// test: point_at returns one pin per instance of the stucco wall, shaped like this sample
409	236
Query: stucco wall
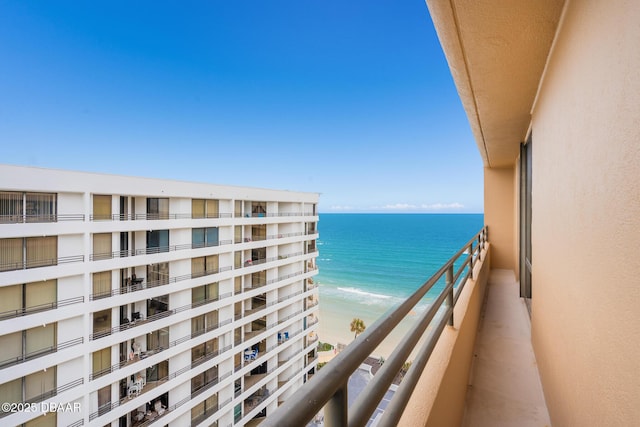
500	215
439	397
586	218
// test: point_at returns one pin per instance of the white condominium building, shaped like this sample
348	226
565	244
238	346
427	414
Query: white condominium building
131	301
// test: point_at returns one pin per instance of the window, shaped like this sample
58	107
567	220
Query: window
202	237
39	382
11	254
27	297
41	207
102	246
203	379
204	265
101	360
204	293
158	339
205	208
104	399
42	421
237	234
101	284
101	207
102	322
259	232
157	241
238	208
32	207
11	207
36	251
157	208
158	274
204	322
209	348
157	305
41	251
32	342
258	209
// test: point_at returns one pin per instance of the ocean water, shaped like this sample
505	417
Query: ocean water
369	262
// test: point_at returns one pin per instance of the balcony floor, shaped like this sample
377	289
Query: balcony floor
504	385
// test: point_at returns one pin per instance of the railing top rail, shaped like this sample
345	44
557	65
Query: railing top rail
300	408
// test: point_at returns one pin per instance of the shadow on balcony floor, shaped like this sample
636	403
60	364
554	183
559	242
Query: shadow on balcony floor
505	387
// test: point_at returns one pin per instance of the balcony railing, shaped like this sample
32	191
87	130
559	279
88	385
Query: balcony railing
39	308
156	250
41	352
34	263
154	283
330	387
20	219
49	394
161	315
153	217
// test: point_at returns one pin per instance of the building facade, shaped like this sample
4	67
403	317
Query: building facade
131	301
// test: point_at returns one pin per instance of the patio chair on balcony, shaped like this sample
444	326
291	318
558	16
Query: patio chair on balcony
159	408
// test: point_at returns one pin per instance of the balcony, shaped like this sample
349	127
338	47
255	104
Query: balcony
448	324
450	382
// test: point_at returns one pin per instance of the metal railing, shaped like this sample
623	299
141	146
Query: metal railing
40	352
155	283
39	308
330	387
20	219
24	264
48	394
154	216
161	315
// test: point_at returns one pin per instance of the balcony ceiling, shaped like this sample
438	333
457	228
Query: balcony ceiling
497	51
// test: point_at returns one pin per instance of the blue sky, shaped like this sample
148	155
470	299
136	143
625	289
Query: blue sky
353	100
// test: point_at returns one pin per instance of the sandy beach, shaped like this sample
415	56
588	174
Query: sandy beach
335	318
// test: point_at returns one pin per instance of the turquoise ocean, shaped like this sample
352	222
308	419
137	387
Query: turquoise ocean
369	262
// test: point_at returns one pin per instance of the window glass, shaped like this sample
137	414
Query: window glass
158	241
102	320
197	267
41	294
10	299
40	382
212	208
212	236
212	264
101	360
102	283
101	207
197	237
11	392
102	246
41	207
41	338
11	254
10	348
11	206
198	294
41	251
197	208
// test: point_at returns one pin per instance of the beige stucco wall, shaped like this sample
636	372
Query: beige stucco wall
586	218
500	215
439	397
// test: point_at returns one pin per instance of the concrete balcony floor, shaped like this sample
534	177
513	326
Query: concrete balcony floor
504	385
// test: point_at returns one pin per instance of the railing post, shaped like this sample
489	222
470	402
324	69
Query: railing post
471	260
335	411
449	283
